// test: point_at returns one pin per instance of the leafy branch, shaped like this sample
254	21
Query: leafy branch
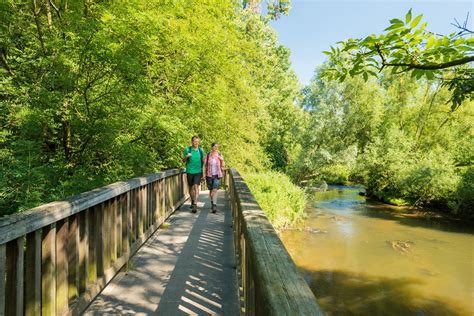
406	46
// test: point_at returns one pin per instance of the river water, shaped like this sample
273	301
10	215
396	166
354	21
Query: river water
364	258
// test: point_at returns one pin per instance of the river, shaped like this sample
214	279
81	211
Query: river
367	258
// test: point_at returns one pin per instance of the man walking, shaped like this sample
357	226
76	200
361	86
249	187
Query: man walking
194	158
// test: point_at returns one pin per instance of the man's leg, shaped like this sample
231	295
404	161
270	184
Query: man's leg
196	192
191	193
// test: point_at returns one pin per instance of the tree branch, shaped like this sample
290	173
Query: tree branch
449	64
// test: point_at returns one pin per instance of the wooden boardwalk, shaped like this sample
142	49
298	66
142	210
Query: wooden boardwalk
187	268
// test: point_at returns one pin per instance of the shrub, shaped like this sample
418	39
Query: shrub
282	201
464	195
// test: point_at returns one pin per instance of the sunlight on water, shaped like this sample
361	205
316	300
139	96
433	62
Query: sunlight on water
364	258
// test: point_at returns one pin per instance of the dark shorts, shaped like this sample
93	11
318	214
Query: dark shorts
213	183
194	178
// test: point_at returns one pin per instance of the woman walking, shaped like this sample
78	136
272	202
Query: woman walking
214	163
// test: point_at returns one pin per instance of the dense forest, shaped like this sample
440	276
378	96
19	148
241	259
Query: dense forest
93	92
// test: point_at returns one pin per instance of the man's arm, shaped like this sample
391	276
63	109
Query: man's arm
186	155
204	164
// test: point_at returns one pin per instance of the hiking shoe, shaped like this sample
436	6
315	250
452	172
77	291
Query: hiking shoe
193	208
214	208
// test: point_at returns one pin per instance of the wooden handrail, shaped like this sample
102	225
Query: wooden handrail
271	283
54	259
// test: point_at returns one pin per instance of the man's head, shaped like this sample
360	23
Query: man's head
195	141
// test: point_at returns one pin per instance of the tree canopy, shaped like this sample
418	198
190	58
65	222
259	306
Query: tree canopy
96	91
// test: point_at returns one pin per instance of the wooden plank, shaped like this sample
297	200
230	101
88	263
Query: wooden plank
105	234
142	211
83	251
126	225
15	277
73	256
33	274
99	239
3	273
118	225
92	237
157	201
20	224
147	208
151	201
62	287
112	230
134	197
48	270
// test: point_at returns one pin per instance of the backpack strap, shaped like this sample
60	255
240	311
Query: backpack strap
207	163
201	152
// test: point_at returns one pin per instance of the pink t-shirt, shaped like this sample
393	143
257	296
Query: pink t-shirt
209	164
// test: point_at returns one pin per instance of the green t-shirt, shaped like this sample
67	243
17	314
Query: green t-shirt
194	162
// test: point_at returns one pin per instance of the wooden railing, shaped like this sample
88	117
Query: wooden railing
271	283
56	258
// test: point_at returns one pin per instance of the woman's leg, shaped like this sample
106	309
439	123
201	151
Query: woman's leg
214	196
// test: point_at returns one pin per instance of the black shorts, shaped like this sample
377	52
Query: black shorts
194	178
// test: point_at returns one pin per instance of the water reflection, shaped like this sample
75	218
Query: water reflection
350	293
372	259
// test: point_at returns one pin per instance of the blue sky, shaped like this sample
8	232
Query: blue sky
313	25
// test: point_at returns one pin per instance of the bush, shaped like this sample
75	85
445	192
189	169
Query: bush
397	175
335	174
464	195
282	201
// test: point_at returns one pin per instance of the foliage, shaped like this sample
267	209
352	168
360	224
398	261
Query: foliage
282	201
98	91
406	46
464	198
397	135
275	8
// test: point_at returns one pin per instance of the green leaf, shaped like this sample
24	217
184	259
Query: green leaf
416	21
396	21
429	75
408	17
394	26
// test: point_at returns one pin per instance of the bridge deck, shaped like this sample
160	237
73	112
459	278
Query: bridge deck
185	269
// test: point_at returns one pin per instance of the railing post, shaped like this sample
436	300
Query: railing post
15	277
3	268
126	224
84	250
73	256
100	252
48	271
62	287
92	244
33	274
118	227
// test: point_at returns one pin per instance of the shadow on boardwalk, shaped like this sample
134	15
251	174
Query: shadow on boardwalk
186	269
